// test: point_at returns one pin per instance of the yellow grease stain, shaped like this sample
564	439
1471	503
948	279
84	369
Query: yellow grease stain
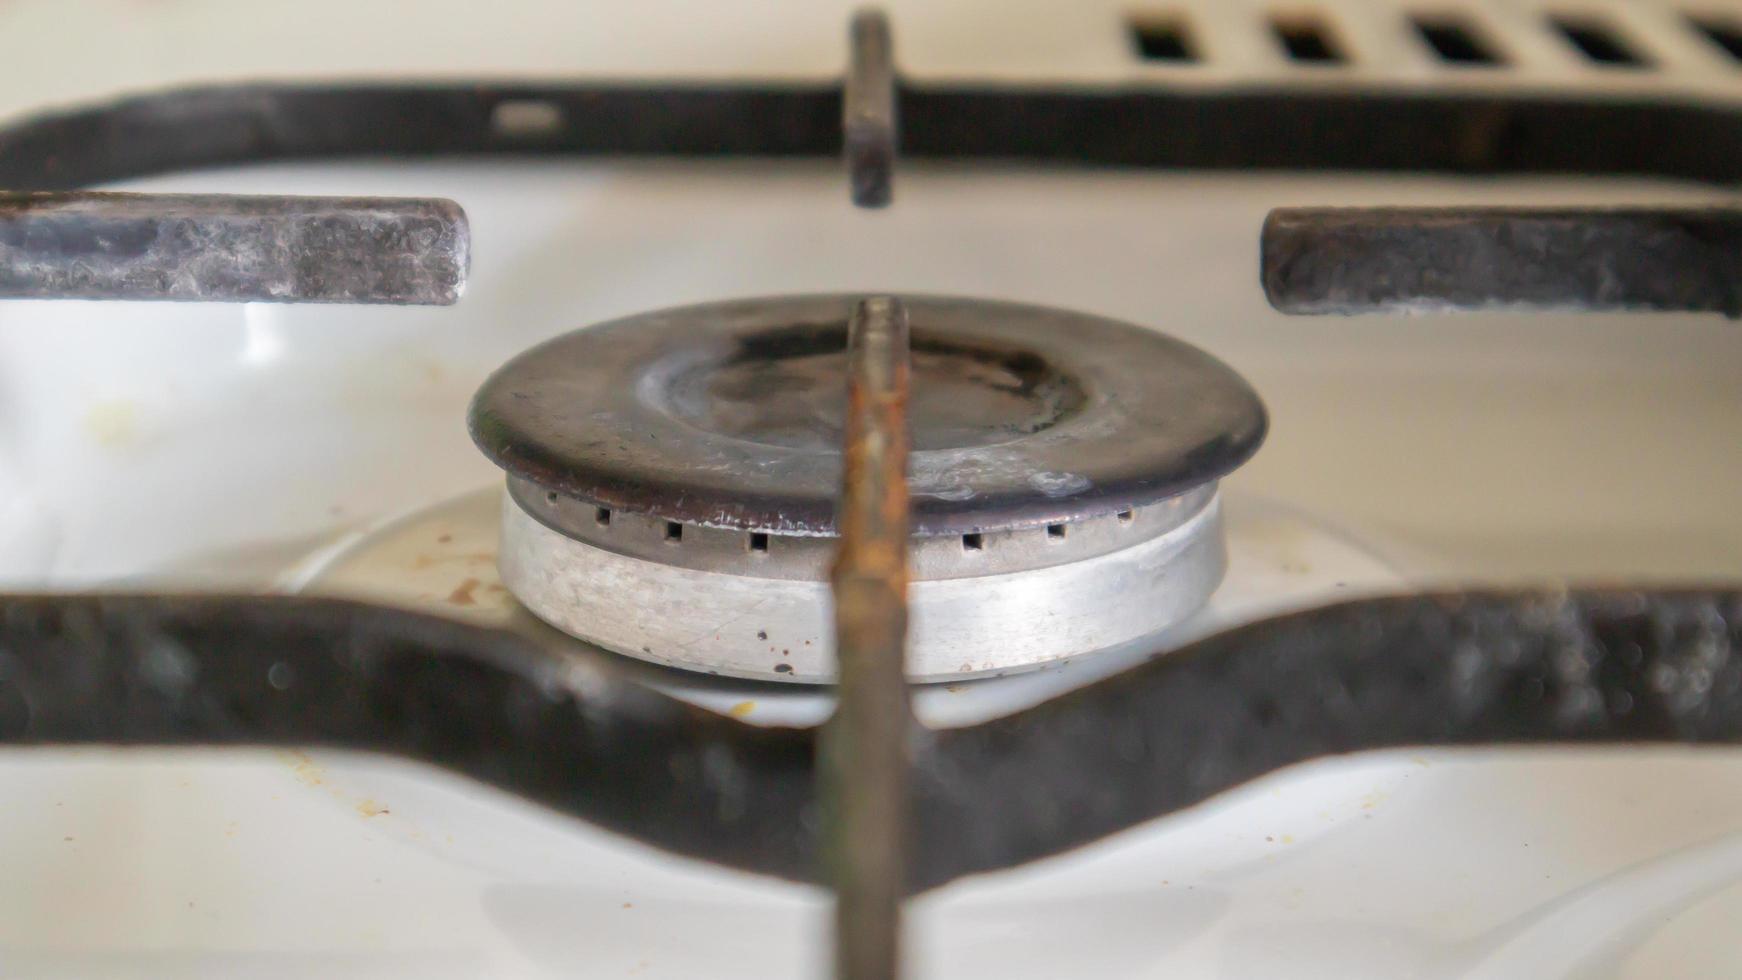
309	773
112	424
305	770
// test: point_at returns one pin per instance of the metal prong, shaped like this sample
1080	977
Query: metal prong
1324	260
866	749
230	249
868	122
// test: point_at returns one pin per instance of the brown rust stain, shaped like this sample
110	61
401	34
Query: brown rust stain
370	808
462	594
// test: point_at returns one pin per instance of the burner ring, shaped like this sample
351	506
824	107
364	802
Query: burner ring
807	557
727	415
781	629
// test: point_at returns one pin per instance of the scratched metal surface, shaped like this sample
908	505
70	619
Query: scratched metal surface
227	249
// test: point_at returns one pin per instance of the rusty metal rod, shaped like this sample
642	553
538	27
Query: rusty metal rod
230	249
865	749
1371	260
868	117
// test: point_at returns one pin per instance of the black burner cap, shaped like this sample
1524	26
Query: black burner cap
729	414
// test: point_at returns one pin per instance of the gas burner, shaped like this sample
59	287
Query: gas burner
673	479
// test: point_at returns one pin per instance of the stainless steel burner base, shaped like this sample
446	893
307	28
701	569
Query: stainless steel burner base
781	629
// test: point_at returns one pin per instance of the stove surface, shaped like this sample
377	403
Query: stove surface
274	447
1454	450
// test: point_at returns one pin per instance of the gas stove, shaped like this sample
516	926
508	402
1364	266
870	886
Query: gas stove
1241	637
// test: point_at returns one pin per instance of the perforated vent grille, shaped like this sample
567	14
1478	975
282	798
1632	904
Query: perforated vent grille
1601	39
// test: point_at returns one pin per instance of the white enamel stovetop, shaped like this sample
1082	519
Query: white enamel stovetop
241	447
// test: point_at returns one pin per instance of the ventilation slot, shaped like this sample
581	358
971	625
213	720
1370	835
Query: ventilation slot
1726	34
673	532
1454	41
602	516
1055	532
973	542
758	542
1163	39
1125	516
1598	42
1306	39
